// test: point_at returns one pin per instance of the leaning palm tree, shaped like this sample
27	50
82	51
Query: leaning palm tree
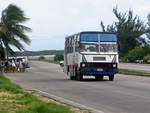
12	30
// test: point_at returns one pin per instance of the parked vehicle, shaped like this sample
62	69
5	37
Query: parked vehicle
24	60
91	54
16	60
61	63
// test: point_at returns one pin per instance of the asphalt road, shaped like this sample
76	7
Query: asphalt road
137	67
127	94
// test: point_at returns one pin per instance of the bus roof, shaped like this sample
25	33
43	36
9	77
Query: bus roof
90	32
97	32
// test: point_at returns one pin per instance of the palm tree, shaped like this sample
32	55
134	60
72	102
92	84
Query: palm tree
12	30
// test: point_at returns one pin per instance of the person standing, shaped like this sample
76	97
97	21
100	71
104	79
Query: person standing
23	64
20	66
13	66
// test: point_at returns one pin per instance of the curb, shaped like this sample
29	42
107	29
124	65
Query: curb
66	101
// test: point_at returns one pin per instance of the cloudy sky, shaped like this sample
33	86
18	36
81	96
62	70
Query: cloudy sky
52	20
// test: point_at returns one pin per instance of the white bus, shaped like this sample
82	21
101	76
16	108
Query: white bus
91	54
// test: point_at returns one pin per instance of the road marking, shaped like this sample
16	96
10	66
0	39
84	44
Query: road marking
63	100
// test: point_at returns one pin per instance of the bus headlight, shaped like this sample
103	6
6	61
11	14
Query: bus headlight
83	65
114	65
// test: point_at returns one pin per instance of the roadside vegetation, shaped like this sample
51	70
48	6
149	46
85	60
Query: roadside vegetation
138	54
14	100
133	72
55	60
47	60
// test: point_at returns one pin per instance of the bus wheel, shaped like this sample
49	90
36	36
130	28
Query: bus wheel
76	75
79	77
99	77
111	77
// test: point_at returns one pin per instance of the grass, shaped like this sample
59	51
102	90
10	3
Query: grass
133	72
14	100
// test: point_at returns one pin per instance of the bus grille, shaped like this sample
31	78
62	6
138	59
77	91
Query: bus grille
99	58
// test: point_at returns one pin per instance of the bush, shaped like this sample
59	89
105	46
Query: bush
41	58
146	59
59	57
137	54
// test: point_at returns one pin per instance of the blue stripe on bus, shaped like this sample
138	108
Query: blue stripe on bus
98	73
91	37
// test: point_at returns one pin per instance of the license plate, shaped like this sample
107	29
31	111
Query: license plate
99	69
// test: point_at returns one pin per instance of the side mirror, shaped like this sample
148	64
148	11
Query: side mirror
61	63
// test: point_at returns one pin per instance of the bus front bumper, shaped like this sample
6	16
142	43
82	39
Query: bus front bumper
98	68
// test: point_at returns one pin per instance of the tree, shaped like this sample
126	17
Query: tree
12	30
129	29
148	29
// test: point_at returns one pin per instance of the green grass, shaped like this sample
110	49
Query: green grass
14	100
133	72
3	111
6	85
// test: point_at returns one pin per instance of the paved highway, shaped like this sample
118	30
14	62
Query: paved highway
137	67
127	94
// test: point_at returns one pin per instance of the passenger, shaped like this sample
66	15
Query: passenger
17	66
20	66
6	65
9	66
23	63
13	66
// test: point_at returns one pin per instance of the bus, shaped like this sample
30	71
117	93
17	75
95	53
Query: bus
91	54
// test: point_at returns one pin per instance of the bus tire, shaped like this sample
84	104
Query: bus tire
76	74
99	77
111	77
72	78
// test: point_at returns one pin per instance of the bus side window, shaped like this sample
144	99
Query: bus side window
67	49
76	47
71	46
70	49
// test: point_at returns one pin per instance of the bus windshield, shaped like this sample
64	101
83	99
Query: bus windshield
108	47
86	47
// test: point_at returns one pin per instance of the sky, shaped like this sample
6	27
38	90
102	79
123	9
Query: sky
52	20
